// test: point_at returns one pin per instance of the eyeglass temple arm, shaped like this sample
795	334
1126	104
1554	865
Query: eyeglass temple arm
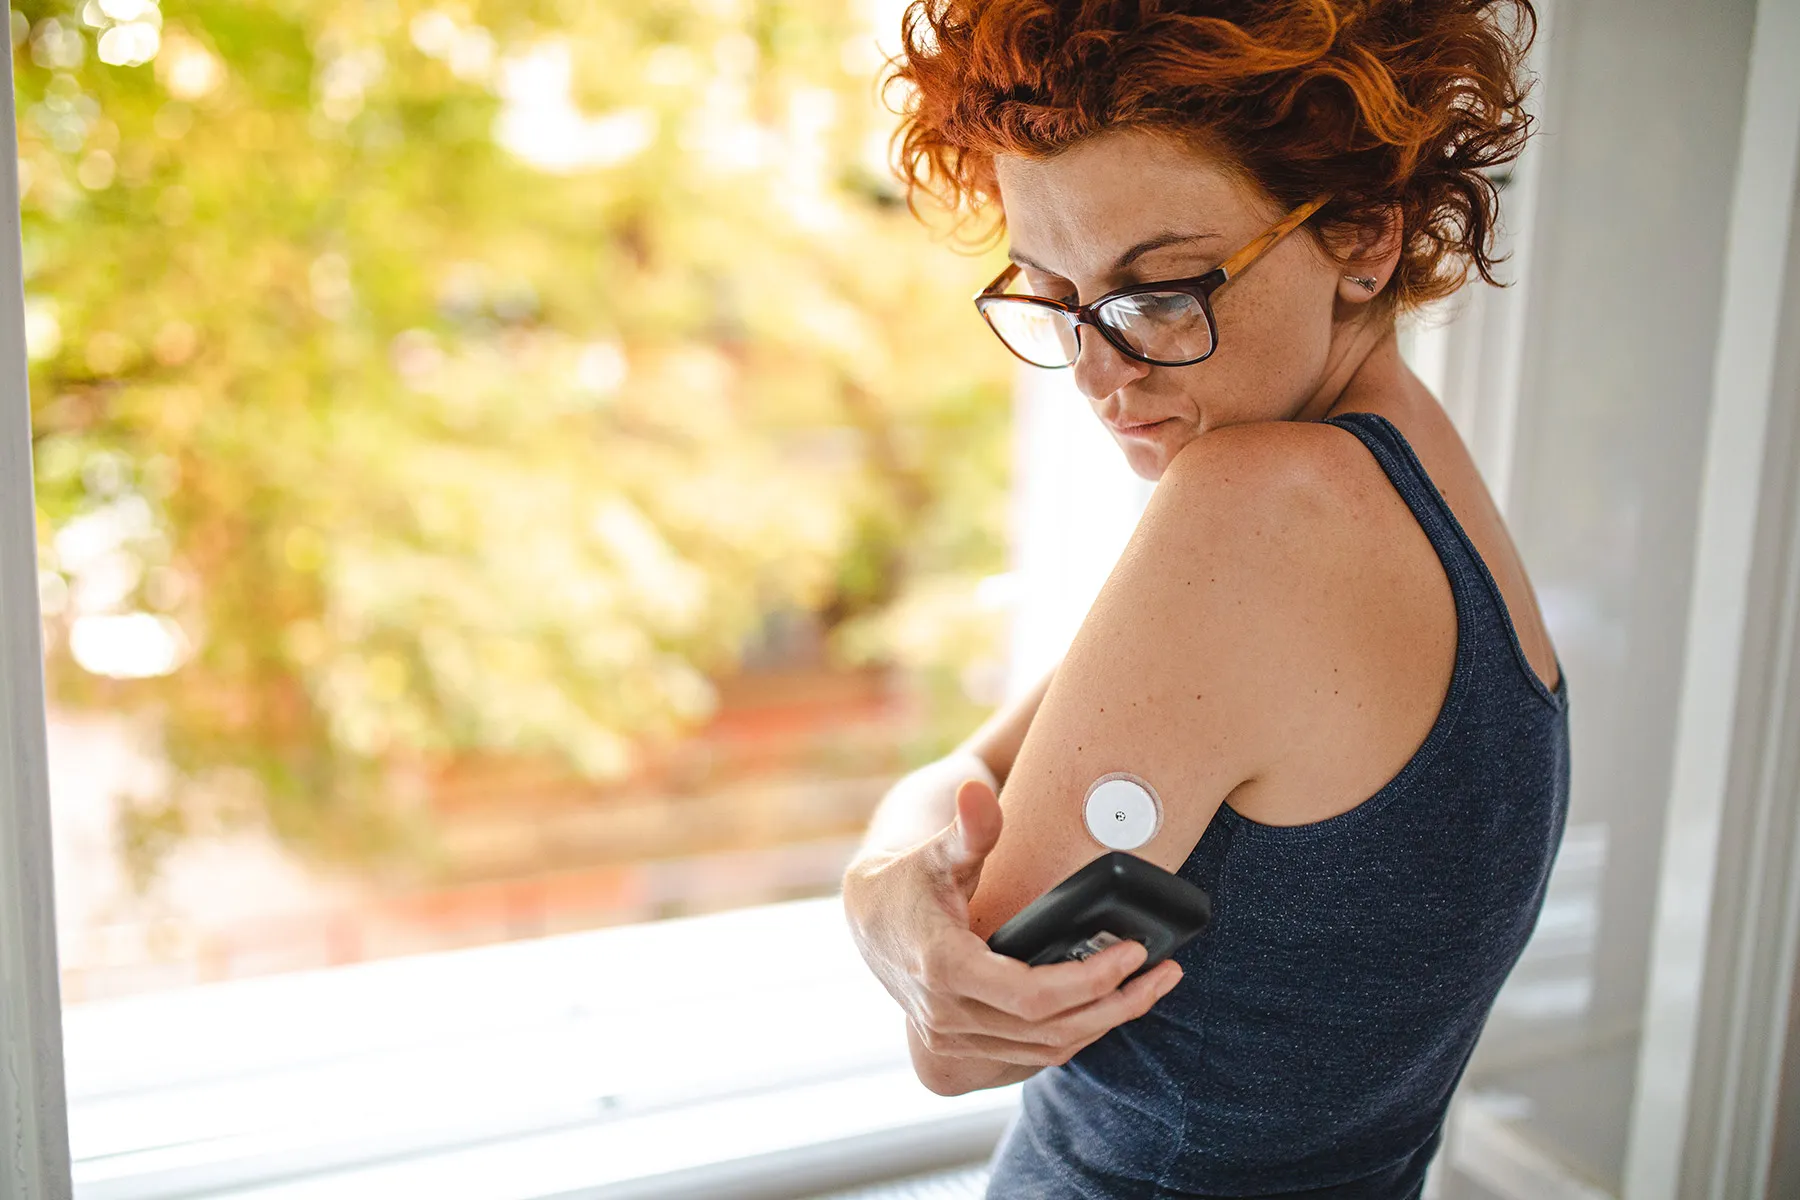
999	281
1234	265
1231	267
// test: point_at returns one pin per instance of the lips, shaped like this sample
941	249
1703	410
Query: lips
1140	427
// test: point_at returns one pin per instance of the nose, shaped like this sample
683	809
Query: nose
1100	369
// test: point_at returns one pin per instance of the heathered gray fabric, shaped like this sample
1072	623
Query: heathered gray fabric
1310	1050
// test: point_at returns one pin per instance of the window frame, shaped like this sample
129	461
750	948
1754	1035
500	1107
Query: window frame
33	1106
1744	934
568	1064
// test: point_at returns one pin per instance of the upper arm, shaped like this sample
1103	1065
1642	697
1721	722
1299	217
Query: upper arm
1184	667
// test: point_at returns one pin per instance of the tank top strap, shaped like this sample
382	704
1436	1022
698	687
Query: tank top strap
1461	562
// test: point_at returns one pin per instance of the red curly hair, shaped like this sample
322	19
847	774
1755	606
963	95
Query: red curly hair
1383	104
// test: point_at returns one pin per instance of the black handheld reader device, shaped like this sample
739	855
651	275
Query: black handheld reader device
1117	897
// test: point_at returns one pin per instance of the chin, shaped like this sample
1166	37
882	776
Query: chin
1146	461
1149	459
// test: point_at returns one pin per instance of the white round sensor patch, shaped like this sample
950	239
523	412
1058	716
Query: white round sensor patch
1122	811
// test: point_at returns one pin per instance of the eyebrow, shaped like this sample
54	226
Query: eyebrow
1130	256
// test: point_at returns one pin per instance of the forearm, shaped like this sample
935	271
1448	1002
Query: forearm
949	1075
907	816
997	740
919	805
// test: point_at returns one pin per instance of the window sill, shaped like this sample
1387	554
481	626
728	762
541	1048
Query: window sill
746	1053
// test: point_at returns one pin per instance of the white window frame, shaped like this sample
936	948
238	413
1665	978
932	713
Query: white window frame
1703	1126
1726	942
747	1053
34	1141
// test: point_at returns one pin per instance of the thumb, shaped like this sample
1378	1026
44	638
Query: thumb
976	828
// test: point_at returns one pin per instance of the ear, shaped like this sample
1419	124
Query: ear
1371	253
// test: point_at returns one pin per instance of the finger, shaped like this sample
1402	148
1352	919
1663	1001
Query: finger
969	969
1056	988
992	993
980	1045
1130	1002
1082	1025
978	816
972	835
1057	1042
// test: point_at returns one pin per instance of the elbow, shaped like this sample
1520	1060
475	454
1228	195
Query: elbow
932	1072
942	1074
948	1075
960	1084
939	1085
959	1080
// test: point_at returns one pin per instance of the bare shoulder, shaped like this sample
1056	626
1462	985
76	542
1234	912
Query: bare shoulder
1285	498
1276	463
1351	614
1312	529
1341	615
1243	649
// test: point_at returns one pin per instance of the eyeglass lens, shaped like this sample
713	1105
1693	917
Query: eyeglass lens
1036	334
1168	327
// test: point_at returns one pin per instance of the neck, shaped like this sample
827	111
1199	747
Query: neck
1365	363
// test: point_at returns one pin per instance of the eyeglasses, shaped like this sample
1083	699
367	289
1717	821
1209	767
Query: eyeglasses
1167	323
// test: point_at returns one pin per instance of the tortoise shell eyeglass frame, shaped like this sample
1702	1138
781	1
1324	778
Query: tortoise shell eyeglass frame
1201	287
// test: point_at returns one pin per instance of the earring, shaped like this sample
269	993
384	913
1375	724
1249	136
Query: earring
1366	282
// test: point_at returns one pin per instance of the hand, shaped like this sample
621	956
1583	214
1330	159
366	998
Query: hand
909	915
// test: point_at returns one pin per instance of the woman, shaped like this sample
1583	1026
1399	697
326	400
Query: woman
1319	647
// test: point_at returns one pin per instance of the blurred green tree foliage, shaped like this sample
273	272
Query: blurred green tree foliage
414	380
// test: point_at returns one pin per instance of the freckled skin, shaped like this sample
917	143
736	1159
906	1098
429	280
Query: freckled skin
1310	559
1283	513
1290	336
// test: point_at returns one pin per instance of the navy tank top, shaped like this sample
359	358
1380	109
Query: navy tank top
1320	1026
